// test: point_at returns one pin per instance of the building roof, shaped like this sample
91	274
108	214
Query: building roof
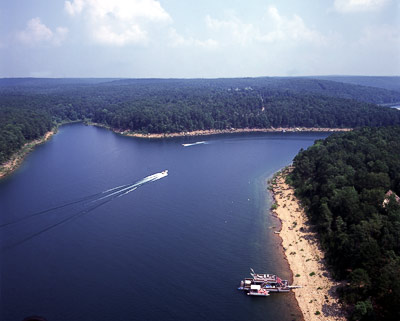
388	194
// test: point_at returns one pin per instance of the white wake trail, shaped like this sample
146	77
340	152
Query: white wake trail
113	189
115	193
125	190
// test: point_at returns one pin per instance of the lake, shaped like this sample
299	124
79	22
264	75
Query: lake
86	243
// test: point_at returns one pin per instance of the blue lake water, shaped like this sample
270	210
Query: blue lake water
172	249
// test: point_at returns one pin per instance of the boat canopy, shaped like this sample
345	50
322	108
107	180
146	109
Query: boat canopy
255	287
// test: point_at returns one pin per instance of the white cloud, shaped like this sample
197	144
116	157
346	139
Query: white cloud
290	29
233	29
348	6
74	7
177	40
38	33
120	22
275	28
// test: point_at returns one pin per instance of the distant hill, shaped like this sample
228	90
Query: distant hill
50	82
328	87
299	85
47	84
389	83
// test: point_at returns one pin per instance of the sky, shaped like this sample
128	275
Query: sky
198	39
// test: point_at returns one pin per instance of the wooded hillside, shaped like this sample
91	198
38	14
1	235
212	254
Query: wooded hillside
28	107
344	181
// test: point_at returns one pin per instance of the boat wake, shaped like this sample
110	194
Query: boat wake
125	189
193	144
87	204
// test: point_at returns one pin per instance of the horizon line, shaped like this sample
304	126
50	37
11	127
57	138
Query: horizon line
200	78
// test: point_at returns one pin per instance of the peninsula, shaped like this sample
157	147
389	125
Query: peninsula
159	108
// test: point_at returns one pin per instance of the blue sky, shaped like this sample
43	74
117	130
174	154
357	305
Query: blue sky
175	38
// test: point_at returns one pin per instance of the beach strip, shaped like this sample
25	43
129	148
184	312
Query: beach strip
317	298
221	131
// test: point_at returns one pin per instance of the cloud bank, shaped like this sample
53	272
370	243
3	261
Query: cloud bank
37	33
119	22
349	6
275	28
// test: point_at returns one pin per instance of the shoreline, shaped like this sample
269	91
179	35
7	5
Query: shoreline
220	131
317	299
18	157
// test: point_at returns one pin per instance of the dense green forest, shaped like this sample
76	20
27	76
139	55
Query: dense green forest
29	107
342	181
378	90
19	126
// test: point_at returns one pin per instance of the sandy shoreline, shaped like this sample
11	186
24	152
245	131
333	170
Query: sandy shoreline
317	298
18	157
223	131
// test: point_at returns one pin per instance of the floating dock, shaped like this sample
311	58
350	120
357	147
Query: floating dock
261	284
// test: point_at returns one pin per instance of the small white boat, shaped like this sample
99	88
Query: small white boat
193	144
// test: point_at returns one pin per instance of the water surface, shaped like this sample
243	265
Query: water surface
173	249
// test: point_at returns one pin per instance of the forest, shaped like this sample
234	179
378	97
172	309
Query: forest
343	182
30	106
19	126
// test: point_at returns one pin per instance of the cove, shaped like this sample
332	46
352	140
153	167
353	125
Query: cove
172	249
